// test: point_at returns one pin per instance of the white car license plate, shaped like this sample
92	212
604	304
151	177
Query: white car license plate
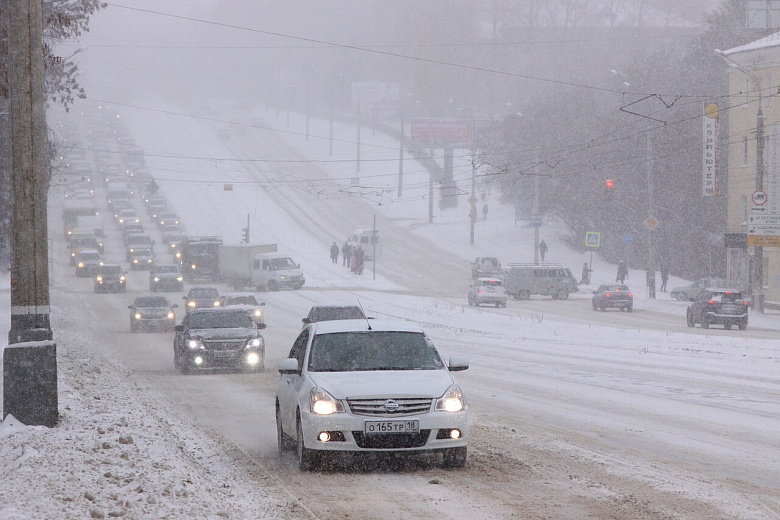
411	426
224	353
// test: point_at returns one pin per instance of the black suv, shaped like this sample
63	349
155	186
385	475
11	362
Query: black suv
718	306
110	278
213	338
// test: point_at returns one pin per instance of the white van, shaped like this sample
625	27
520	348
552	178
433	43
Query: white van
273	271
362	238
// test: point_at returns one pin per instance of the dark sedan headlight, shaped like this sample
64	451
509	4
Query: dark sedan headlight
255	343
195	344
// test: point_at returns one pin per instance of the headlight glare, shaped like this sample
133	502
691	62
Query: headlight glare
452	400
322	403
193	344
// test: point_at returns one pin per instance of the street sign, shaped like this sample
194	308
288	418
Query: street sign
759	197
759	209
536	219
592	239
763	241
651	222
764	219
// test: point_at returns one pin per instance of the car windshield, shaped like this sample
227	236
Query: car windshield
111	269
151	301
203	293
615	288
166	269
282	263
363	351
221	320
241	300
727	297
90	256
491	283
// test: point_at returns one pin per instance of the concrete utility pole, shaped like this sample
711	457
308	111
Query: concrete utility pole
30	361
29	245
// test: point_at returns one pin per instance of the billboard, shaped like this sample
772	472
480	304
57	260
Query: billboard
447	131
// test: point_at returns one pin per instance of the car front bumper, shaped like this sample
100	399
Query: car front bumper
206	358
347	433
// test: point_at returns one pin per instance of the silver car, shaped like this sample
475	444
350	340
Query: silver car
488	291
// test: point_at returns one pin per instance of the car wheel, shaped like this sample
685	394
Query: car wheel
603	308
283	441
705	322
306	457
563	294
455	457
743	325
681	297
689	318
133	328
727	326
272	286
595	307
176	362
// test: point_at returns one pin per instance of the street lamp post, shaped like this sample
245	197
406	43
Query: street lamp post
758	251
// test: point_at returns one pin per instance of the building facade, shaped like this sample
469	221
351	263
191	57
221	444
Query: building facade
753	172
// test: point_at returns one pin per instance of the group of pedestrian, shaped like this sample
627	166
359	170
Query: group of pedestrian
352	256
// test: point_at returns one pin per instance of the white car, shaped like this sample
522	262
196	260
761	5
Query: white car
369	386
489	291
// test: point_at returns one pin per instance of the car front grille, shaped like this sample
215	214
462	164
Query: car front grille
391	440
379	408
224	345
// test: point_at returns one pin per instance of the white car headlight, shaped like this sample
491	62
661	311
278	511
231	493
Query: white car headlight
322	403
138	316
193	344
171	315
452	400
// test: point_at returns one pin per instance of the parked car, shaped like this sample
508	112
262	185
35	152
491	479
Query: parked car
249	303
360	387
333	312
488	291
691	291
164	277
213	338
483	266
199	297
718	306
609	296
110	278
87	262
152	313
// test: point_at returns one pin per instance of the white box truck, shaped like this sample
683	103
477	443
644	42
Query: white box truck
235	263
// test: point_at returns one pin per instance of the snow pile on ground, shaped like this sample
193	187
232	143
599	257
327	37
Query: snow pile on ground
118	453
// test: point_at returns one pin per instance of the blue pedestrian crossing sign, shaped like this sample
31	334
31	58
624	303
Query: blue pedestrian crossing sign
592	239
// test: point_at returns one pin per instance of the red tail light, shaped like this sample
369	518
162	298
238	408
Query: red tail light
711	302
607	295
630	295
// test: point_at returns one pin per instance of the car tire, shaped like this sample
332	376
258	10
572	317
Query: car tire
681	297
283	441
705	322
603	308
176	362
455	457
743	325
306	457
727	326
595	307
272	286
563	294
689	318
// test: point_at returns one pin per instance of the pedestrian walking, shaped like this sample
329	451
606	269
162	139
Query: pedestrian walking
484	211
585	274
542	249
334	253
664	276
622	272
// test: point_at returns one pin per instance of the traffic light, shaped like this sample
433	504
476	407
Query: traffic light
609	184
246	234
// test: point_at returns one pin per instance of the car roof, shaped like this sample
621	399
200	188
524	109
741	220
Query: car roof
217	310
722	290
89	251
238	294
381	325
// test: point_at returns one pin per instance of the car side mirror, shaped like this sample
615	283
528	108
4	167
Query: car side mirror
458	364
305	321
178	328
261	325
262	304
175	305
289	366
131	307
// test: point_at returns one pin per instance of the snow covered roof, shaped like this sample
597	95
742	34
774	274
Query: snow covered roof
767	41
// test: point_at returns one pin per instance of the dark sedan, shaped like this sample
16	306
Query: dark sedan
152	313
611	296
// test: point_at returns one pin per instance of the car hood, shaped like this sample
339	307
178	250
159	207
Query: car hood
153	311
225	333
382	383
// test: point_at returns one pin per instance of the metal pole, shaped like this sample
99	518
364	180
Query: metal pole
373	235
758	255
650	213
535	212
401	158
473	212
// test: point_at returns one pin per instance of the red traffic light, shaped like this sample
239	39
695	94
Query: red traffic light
609	184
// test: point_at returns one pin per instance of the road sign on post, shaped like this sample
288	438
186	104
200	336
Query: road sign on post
592	239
